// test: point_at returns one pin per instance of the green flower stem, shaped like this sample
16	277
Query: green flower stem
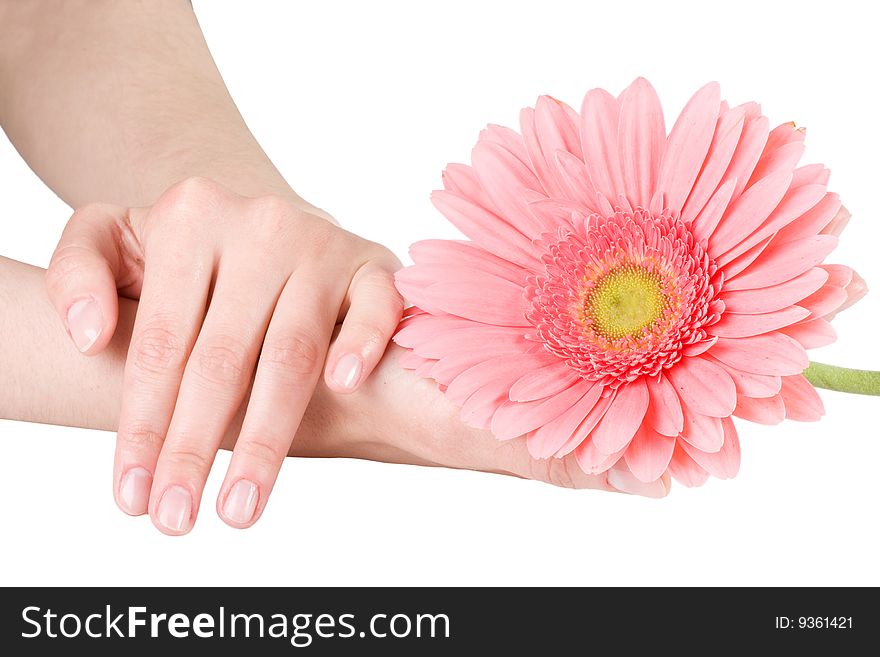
843	379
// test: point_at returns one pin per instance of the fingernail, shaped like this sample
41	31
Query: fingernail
626	482
85	322
241	502
347	371
175	509
134	491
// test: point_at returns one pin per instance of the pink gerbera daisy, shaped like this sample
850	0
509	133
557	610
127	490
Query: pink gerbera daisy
625	292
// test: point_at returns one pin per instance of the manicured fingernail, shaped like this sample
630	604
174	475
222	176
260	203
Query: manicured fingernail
241	502
347	371
134	491
175	509
85	322
625	482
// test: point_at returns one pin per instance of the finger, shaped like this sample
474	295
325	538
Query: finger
173	300
289	368
375	308
82	275
214	383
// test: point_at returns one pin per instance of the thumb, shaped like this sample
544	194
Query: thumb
82	275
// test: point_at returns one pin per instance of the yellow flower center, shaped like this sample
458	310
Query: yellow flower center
625	301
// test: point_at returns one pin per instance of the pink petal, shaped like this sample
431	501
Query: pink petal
459	255
699	348
839	275
648	454
447	368
824	301
782	262
703	386
773	354
812	334
423	327
599	120
795	203
752	385
733	325
479	408
855	290
499	302
536	157
702	431
508	139
711	214
579	186
486	229
514	419
802	402
688	145
724	463
727	133
622	418
685	469
782	159
743	262
505	179
811	222
642	137
785	133
810	174
554	213
767	410
543	382
748	212
476	338
555	129
838	223
410	360
499	372
748	151
551	437
775	297
593	461
461	180
664	408
581	434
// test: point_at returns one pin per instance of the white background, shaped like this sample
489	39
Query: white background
361	105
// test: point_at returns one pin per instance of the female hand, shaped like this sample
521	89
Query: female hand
233	291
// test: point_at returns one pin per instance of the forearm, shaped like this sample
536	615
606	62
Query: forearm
43	378
394	417
112	100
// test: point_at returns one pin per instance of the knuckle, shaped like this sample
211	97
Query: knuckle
67	263
295	354
223	361
270	223
193	188
158	350
323	238
369	336
552	471
272	207
141	438
187	200
187	460
261	451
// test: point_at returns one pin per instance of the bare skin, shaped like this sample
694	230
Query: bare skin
118	106
394	417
